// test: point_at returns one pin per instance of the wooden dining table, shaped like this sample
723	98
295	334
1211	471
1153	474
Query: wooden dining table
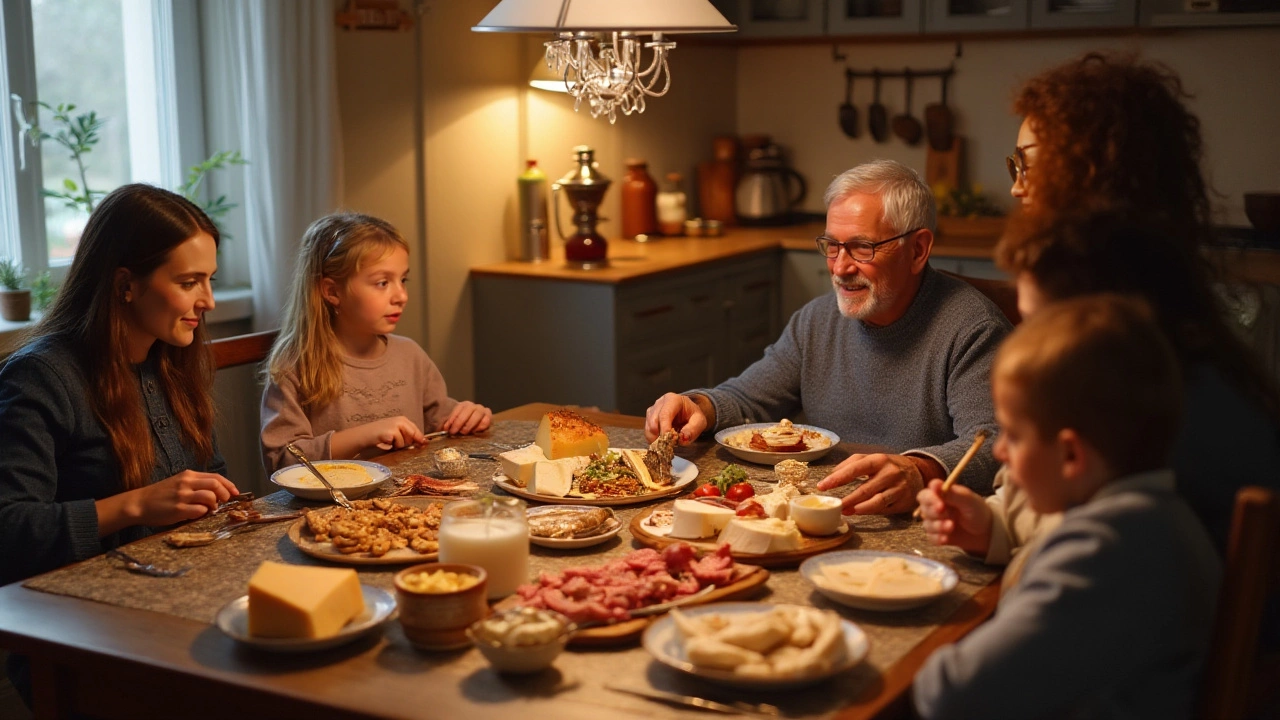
101	653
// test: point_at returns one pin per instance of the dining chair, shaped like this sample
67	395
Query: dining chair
1233	678
242	349
1001	292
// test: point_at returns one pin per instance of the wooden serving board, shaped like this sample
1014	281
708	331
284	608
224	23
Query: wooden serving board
809	545
302	537
746	579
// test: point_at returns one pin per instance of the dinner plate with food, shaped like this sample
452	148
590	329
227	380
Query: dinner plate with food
379	606
571	462
878	580
355	478
780	527
770	443
568	527
382	531
756	645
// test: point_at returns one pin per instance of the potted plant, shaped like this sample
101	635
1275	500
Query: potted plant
15	301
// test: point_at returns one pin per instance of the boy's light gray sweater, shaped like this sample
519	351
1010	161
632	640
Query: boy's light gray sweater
920	384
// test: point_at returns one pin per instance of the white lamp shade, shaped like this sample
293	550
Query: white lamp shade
637	16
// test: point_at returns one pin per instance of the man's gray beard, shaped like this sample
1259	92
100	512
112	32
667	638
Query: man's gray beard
869	306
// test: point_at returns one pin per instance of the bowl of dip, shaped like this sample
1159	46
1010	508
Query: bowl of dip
521	640
876	580
355	478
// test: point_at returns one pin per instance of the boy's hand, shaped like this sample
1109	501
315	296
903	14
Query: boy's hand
392	432
467	417
958	517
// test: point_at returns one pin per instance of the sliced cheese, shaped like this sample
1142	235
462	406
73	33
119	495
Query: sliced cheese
518	464
758	536
777	504
296	601
564	434
555	477
635	460
692	519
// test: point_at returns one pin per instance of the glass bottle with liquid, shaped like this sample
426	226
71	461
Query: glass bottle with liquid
672	205
639	195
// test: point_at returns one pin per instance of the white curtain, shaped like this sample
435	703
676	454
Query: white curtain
271	91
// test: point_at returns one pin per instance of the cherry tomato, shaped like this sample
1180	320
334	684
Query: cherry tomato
707	490
740	492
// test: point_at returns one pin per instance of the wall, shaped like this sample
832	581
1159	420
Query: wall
792	92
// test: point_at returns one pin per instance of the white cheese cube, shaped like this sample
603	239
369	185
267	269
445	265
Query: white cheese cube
518	464
758	536
692	519
555	477
777	504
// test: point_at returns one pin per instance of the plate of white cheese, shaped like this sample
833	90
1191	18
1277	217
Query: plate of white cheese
528	473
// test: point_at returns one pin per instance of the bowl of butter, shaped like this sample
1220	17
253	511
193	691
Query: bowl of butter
521	640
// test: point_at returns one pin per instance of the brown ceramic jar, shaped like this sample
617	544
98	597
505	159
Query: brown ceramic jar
639	201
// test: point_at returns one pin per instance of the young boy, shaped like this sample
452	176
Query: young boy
1112	613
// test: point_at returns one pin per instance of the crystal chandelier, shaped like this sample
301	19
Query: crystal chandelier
600	52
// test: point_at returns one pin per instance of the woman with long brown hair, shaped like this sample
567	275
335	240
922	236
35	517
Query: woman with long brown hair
106	414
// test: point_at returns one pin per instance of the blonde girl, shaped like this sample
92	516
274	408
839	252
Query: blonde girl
339	384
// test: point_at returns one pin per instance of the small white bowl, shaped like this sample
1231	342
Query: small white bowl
510	658
817	514
299	481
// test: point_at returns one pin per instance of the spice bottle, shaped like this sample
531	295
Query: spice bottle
534	241
672	206
639	196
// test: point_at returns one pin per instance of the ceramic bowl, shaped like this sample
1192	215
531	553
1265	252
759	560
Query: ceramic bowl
439	621
300	482
520	657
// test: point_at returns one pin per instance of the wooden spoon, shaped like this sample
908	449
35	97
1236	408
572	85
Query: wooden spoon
848	113
905	125
877	115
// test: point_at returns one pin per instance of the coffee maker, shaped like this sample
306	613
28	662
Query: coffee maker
585	187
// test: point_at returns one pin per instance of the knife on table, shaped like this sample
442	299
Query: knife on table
692	701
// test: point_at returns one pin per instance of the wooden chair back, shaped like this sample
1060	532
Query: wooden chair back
242	349
1251	576
1001	292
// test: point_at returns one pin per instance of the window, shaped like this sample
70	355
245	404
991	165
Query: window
136	64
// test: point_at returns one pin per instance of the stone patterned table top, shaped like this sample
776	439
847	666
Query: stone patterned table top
221	571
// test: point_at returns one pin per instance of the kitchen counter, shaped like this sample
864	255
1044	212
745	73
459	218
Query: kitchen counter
629	260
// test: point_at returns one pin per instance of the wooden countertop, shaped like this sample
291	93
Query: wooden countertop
629	260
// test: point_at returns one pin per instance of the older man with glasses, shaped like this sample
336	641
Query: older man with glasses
898	355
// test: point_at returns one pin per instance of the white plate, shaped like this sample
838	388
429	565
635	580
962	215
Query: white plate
683	472
932	568
664	643
611	528
292	478
773	458
379	606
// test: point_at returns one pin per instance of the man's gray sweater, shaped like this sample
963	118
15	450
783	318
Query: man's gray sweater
920	384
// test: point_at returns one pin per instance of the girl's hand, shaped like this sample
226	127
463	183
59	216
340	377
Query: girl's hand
467	417
392	432
185	496
958	517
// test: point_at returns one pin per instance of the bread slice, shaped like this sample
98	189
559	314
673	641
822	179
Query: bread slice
564	433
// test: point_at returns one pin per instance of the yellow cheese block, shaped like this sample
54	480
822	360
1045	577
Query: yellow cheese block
564	433
295	601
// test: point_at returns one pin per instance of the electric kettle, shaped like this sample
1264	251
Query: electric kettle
768	190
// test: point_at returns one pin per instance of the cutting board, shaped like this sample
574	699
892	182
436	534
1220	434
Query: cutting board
809	545
945	167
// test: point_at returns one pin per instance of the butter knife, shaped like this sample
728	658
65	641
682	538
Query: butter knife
764	711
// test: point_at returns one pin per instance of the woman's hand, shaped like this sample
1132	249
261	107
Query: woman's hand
185	496
467	417
958	517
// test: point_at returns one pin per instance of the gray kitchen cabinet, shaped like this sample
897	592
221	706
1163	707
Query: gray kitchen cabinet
1057	14
1214	13
874	17
775	18
952	16
804	277
618	346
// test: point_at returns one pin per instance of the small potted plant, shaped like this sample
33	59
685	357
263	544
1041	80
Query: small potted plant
15	302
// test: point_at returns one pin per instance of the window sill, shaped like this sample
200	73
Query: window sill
229	304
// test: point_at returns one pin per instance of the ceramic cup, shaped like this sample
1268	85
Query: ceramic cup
439	621
816	514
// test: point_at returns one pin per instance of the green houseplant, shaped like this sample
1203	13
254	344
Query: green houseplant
15	300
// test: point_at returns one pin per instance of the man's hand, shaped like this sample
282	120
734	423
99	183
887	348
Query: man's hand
891	486
679	412
957	516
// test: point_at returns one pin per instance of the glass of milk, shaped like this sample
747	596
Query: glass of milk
491	532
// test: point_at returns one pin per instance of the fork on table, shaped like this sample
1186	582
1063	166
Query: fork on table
134	565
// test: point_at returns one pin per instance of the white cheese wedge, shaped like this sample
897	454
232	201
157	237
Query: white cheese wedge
692	519
555	477
777	504
518	464
563	433
758	536
300	601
